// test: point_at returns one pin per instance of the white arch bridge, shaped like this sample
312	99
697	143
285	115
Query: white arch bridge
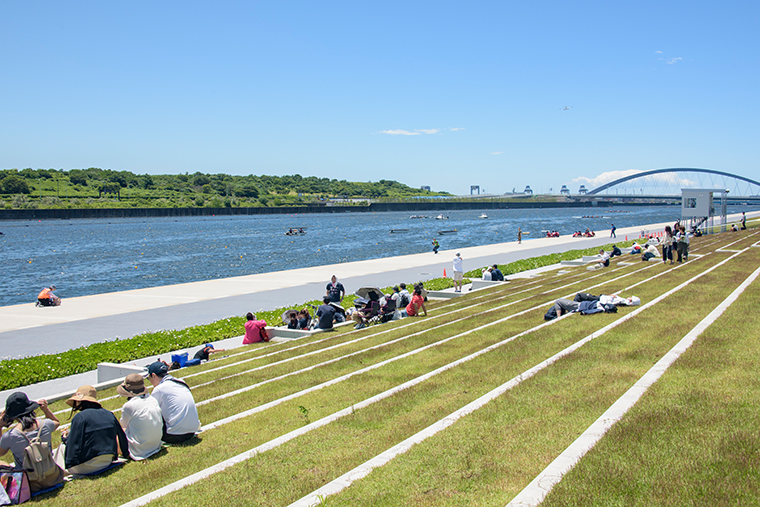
667	183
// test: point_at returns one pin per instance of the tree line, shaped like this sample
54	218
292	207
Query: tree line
196	188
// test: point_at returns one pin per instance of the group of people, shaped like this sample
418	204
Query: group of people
552	234
675	238
493	273
589	304
96	438
385	307
587	234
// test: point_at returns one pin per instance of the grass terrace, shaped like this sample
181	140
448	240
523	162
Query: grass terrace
471	404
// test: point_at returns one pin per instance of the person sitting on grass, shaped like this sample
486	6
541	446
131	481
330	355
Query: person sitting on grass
140	418
371	308
615	251
326	314
253	329
487	274
178	411
496	274
403	296
417	303
95	437
19	416
293	324
604	261
304	319
650	252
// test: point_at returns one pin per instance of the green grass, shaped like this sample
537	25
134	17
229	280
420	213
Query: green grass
487	457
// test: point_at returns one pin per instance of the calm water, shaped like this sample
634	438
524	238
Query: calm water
84	257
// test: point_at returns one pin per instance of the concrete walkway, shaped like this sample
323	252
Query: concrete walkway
26	330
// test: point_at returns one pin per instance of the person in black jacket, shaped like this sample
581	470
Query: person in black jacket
95	437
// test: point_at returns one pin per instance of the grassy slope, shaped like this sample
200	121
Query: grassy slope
490	455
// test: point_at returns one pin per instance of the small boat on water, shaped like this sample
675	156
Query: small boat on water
441	217
296	231
418	216
483	215
452	231
398	231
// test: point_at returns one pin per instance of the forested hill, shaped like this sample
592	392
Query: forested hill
94	187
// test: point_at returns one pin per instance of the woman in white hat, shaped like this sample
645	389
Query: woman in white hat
140	418
95	437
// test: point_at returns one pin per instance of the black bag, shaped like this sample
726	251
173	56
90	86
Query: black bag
551	314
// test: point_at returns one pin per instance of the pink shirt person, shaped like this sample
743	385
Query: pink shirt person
253	329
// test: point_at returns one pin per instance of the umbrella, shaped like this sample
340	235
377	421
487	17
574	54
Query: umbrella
364	292
286	315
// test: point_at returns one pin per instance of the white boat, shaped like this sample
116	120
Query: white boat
441	217
483	215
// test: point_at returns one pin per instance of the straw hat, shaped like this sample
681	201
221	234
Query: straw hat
84	393
133	385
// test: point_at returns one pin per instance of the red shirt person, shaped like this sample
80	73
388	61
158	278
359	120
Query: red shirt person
253	329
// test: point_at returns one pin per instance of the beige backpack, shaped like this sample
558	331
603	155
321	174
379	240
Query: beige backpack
39	464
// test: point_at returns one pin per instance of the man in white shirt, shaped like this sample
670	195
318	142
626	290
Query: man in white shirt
140	418
177	405
604	261
458	272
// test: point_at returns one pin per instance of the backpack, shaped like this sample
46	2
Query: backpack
264	334
403	301
39	464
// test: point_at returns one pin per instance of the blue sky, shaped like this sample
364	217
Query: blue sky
334	89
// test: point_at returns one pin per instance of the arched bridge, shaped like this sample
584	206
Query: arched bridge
670	181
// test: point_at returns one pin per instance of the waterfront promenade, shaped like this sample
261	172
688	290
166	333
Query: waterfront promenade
26	330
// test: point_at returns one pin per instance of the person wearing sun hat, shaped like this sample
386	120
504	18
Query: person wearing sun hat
140	418
178	409
19	416
94	438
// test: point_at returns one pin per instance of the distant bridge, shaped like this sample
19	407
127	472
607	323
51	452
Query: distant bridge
673	179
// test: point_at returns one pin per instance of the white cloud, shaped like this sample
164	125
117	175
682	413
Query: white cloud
658	52
496	152
428	131
456	129
400	132
674	60
610	176
603	178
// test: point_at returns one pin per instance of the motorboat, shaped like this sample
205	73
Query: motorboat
483	215
441	217
295	231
